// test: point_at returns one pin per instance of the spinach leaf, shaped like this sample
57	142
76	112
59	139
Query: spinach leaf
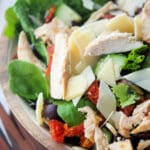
27	80
69	113
12	24
21	9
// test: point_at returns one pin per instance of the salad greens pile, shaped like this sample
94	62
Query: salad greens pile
29	14
111	69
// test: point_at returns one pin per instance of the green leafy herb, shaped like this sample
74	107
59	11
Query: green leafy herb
27	80
136	58
125	96
69	113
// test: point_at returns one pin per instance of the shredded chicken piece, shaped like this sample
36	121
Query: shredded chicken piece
60	67
144	107
47	32
144	125
25	52
143	144
90	123
146	21
100	140
126	124
112	43
102	11
121	145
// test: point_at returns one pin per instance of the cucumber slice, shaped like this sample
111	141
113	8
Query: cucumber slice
67	14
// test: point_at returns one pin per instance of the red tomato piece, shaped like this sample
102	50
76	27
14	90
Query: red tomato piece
57	130
93	92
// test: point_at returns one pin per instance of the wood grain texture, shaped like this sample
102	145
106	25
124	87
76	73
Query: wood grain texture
22	112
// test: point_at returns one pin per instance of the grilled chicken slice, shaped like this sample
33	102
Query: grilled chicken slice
143	144
112	43
25	52
102	11
131	7
126	124
144	125
60	67
142	108
121	145
47	32
146	21
90	123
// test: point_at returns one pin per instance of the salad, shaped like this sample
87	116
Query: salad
84	66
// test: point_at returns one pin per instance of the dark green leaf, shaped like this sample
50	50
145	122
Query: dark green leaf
40	48
69	113
21	8
27	80
85	102
146	62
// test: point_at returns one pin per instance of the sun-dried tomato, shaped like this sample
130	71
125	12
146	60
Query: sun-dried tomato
74	131
50	15
50	50
57	130
93	92
128	109
85	142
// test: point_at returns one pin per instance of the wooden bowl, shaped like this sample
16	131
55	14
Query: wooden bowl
23	113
